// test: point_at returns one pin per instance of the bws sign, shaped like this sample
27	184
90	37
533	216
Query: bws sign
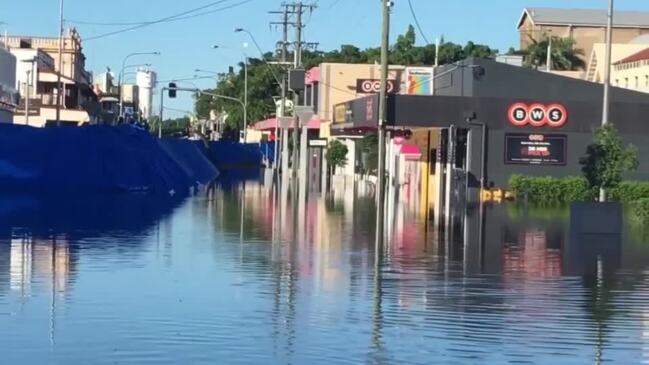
537	115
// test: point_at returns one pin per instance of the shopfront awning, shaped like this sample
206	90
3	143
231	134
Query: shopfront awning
272	123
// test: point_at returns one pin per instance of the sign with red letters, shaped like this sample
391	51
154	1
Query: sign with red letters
537	115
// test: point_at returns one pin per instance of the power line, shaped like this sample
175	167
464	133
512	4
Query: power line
112	24
414	16
184	15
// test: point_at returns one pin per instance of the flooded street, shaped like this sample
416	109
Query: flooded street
135	280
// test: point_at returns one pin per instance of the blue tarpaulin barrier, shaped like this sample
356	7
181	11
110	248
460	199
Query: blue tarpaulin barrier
227	154
96	159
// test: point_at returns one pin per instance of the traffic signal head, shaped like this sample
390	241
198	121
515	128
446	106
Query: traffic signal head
172	90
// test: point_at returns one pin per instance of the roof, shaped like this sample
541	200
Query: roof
584	17
638	56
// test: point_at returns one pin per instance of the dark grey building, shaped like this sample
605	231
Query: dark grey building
536	123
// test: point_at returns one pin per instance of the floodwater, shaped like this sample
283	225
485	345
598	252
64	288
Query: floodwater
133	280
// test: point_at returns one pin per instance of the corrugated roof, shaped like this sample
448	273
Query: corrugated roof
639	56
585	17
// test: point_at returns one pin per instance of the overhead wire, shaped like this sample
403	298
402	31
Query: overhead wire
414	17
181	16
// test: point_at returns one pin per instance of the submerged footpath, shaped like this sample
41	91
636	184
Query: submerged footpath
99	159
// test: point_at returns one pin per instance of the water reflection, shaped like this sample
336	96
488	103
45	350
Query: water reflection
250	274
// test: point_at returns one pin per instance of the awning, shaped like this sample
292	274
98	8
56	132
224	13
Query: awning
410	152
271	124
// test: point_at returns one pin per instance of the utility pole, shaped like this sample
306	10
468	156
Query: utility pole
282	108
607	77
297	55
59	92
548	62
380	188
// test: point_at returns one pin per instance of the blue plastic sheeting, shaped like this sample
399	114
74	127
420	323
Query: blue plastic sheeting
226	154
191	158
95	159
267	150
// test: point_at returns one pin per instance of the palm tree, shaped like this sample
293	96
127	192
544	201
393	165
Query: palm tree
565	57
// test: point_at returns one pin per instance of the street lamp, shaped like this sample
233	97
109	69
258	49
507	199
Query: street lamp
121	73
245	88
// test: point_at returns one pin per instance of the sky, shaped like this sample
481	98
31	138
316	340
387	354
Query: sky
186	45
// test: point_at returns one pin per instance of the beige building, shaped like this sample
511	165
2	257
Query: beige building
585	26
632	72
37	78
596	61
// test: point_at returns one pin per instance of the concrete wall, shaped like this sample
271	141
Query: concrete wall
632	76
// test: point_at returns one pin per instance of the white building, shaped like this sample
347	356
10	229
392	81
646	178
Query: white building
146	82
8	93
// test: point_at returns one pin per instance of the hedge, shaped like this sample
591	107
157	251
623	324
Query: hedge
631	191
640	210
552	191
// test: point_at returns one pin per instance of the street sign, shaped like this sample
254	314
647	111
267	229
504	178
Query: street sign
304	113
318	143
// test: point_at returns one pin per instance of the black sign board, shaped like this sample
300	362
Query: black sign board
535	149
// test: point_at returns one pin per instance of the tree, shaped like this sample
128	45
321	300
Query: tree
336	154
607	159
565	57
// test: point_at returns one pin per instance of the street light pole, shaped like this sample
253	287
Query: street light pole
607	78
383	96
121	73
245	90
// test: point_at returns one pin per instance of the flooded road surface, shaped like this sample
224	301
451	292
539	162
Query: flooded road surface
134	280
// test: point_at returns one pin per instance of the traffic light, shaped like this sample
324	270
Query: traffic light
172	90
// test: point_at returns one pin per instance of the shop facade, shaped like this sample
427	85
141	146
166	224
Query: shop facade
534	123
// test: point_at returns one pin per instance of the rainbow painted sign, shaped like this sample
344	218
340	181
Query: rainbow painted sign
419	81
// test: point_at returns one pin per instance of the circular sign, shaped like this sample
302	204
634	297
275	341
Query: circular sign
537	114
557	115
518	114
368	86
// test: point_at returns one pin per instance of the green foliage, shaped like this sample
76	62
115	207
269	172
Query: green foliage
565	57
550	190
630	191
640	210
263	86
336	154
261	89
607	159
170	127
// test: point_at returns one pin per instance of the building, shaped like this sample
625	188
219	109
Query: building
585	26
632	72
8	92
595	66
534	123
146	81
108	96
79	102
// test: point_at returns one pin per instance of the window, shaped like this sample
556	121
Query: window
637	84
617	82
626	82
646	81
